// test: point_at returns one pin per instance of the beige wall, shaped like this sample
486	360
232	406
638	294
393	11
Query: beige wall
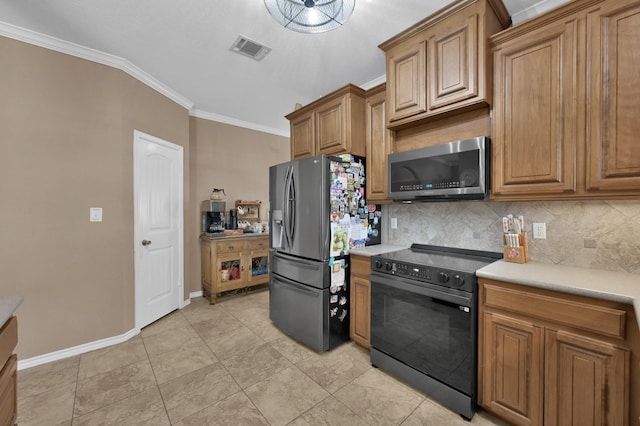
66	144
233	158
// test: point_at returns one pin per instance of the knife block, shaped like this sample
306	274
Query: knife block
517	254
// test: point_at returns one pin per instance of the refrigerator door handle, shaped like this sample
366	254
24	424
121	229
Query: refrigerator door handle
289	219
285	219
294	202
295	287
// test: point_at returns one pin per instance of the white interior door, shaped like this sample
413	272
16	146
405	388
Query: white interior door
158	228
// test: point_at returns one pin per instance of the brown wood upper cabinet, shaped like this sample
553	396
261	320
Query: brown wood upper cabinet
565	100
379	140
440	65
613	98
334	124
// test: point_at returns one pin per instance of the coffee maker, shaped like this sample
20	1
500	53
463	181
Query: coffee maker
213	216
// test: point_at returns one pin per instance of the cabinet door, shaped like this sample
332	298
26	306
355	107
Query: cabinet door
360	311
379	140
331	127
453	62
258	267
534	123
302	136
512	370
586	381
406	80
234	277
8	391
613	160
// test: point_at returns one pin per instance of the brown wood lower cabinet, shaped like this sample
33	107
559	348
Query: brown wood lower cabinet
360	325
549	358
8	375
230	263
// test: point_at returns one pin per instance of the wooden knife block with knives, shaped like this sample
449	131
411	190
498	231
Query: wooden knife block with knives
515	239
517	254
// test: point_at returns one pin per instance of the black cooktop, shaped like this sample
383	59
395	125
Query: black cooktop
462	260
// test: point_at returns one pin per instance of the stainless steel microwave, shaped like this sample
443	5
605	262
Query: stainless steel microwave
452	171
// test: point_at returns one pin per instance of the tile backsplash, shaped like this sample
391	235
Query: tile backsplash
591	234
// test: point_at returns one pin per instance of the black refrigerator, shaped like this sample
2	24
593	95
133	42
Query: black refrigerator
317	212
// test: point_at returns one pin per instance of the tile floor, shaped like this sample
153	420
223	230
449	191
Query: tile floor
222	365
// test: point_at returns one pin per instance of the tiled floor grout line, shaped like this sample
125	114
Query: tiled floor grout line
155	376
248	313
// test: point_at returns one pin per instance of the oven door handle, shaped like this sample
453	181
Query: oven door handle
424	289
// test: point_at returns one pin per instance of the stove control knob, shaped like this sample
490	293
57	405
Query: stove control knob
388	266
378	264
458	280
442	277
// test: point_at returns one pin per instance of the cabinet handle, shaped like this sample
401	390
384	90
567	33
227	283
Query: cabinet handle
146	242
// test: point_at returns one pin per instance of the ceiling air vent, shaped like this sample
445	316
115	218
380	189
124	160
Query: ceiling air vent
250	48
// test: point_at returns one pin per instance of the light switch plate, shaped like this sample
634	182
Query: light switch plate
95	214
394	223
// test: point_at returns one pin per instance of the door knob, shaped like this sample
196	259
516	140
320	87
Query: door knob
146	242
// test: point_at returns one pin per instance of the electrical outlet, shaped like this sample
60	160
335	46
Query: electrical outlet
394	223
539	231
95	214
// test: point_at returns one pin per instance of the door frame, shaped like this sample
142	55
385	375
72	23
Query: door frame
138	137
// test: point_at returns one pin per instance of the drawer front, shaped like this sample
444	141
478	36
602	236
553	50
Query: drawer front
8	338
255	243
593	318
361	266
229	246
8	396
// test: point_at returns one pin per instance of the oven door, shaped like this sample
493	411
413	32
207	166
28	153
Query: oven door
427	327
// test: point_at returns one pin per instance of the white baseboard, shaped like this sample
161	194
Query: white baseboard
76	350
87	347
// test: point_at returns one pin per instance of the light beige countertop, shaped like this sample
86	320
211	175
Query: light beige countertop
375	250
227	235
607	285
8	306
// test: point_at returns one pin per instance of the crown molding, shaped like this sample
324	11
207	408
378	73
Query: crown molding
536	10
235	122
66	47
375	82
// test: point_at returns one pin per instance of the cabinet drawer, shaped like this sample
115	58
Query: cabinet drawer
8	338
8	397
361	266
229	246
258	243
589	317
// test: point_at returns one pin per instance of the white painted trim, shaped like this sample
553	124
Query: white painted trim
373	83
79	51
138	136
235	122
91	346
536	10
66	47
76	350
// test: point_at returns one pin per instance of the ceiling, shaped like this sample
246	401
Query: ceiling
185	45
